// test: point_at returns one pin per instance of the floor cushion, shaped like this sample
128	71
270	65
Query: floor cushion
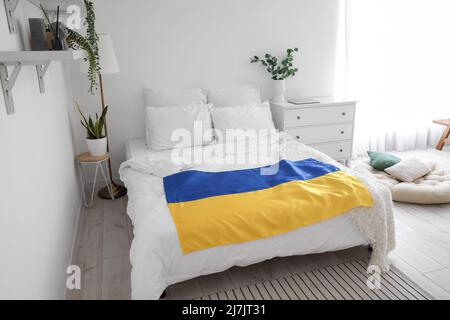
434	188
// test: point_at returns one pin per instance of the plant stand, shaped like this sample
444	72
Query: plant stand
86	159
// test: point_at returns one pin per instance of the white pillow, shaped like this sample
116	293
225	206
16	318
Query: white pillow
409	170
173	97
242	118
236	96
193	120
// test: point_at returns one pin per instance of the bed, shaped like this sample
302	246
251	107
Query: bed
156	256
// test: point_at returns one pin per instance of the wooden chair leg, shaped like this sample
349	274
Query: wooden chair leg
443	140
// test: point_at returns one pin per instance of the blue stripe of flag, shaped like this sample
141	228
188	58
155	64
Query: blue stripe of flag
194	185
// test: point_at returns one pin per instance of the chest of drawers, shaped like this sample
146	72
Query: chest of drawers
327	126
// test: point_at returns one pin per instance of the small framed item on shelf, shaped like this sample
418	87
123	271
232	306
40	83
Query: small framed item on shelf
38	40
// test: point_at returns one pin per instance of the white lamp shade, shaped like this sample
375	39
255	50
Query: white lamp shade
107	56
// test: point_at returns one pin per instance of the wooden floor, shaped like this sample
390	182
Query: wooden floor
102	251
105	235
423	237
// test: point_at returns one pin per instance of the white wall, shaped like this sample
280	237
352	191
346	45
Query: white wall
206	43
39	194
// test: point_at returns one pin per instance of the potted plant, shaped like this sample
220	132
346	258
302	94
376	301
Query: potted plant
96	139
279	71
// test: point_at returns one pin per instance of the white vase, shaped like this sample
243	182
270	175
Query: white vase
97	147
279	88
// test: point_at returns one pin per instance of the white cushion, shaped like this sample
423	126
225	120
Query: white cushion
235	96
409	170
433	188
173	97
242	118
162	123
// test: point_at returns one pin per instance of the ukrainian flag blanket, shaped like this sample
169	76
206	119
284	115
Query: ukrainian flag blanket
213	209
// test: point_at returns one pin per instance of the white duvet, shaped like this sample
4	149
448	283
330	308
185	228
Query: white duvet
156	257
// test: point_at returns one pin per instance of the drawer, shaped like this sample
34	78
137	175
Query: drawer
312	135
337	150
321	115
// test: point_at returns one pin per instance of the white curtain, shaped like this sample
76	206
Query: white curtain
396	58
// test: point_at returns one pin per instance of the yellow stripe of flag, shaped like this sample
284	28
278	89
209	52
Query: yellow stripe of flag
235	218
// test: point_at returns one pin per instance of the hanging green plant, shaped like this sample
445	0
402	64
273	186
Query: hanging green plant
88	43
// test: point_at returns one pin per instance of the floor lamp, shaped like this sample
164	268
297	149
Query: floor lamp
108	65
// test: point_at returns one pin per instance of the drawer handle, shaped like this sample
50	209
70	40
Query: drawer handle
341	150
298	137
342	132
298	117
344	113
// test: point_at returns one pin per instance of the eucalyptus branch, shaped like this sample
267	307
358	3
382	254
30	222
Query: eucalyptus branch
278	71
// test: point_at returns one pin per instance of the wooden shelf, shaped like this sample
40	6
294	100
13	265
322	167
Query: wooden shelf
32	56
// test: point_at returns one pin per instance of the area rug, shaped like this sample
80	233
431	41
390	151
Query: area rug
346	281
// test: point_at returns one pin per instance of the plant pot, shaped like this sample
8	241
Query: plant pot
97	147
279	88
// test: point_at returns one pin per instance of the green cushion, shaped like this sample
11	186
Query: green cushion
381	161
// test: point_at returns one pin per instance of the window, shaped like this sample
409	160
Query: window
395	59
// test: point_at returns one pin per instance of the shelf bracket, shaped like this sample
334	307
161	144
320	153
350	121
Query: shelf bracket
41	69
41	60
8	82
10	7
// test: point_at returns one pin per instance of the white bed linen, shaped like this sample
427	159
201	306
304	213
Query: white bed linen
135	148
162	122
156	257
